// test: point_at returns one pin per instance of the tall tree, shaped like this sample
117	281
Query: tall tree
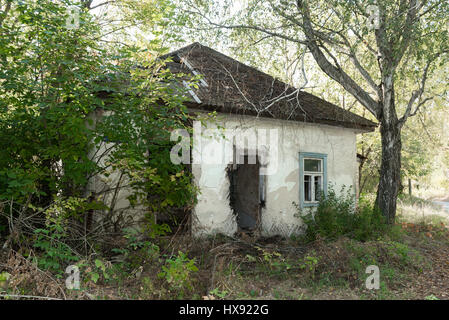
387	44
56	79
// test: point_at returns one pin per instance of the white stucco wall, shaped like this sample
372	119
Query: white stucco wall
111	188
213	213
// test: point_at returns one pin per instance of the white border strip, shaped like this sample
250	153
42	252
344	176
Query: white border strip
192	93
184	61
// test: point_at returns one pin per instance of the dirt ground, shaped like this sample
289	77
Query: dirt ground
414	266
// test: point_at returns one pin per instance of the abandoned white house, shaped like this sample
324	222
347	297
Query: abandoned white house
298	142
281	146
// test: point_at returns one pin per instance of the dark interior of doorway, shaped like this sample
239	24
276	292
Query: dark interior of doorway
245	191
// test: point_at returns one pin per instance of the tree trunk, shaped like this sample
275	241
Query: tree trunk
390	169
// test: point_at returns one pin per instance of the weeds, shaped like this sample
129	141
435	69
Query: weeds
309	264
331	266
177	272
274	262
218	293
55	253
337	215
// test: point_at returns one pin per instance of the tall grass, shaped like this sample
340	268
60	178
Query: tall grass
338	215
416	210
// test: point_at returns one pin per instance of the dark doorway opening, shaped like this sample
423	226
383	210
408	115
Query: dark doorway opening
245	192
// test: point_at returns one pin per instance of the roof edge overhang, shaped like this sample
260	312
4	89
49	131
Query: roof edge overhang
302	119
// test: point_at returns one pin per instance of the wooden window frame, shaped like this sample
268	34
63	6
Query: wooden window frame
302	173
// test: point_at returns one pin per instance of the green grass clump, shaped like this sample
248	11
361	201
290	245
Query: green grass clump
337	215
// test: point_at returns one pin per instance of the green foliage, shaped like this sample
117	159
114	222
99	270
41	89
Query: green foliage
4	279
55	254
309	263
51	240
46	128
4	276
219	293
155	230
98	271
390	256
73	108
337	215
274	262
137	251
423	150
42	122
178	272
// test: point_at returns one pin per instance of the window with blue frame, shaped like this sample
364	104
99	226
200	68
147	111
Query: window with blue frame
312	177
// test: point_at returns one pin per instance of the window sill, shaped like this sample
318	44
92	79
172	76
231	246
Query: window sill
310	204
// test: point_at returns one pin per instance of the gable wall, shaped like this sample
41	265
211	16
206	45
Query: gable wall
213	213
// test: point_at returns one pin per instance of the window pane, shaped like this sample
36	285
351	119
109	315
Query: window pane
307	188
318	187
313	165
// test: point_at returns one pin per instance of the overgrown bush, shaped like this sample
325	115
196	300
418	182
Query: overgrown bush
338	215
74	114
55	254
177	272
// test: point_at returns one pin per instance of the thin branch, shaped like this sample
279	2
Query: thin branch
418	93
5	12
335	72
247	27
101	4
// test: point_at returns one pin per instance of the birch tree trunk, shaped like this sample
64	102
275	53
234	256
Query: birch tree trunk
390	169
